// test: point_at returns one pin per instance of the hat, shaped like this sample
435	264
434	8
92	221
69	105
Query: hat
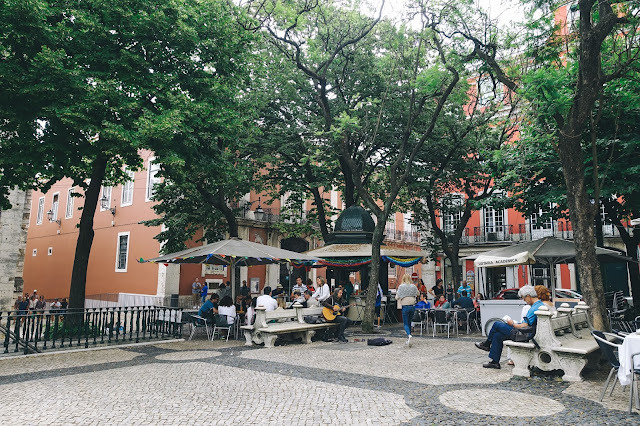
279	286
35	291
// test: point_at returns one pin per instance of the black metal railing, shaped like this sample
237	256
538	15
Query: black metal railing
491	234
37	331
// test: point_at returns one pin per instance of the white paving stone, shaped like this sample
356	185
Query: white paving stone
19	365
187	355
217	395
390	361
500	403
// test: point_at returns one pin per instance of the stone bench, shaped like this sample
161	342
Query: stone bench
268	325
565	343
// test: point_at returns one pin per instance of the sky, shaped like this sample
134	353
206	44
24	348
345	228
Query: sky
504	10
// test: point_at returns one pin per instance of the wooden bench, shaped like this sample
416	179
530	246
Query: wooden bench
265	331
565	343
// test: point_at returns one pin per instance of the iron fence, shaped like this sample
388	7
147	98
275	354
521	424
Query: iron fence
37	331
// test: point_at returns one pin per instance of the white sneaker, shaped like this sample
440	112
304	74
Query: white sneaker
409	341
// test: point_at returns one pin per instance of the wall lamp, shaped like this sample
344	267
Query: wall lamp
104	204
50	217
259	212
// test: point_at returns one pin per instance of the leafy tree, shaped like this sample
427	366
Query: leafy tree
457	169
204	137
536	175
563	102
317	71
78	79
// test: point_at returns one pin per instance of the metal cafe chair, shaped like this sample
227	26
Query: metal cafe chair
609	348
221	324
198	322
440	319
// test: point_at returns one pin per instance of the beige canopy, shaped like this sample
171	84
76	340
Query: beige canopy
359	250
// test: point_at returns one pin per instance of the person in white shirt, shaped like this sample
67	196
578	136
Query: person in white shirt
226	307
322	290
267	301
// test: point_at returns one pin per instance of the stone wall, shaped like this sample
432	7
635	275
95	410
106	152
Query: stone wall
13	240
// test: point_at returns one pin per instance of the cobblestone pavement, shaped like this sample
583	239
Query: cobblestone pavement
437	381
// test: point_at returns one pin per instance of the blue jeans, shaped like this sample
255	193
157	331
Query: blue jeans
407	315
498	334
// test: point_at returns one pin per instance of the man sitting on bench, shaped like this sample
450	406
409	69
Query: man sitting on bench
501	331
335	300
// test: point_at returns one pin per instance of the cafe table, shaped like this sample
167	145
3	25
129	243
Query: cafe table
630	346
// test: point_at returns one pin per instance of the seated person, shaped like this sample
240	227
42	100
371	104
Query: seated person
278	291
239	303
423	303
228	309
266	300
296	297
210	307
331	302
250	315
464	301
501	331
442	303
246	302
309	301
476	301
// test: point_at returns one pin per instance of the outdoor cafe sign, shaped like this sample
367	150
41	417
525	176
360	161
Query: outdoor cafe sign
497	261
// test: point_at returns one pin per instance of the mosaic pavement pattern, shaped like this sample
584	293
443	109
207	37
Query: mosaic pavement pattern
437	381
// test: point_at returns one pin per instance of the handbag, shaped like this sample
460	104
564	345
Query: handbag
523	334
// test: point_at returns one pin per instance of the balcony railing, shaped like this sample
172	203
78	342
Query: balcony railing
406	236
522	232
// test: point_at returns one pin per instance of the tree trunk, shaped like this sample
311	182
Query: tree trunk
374	279
85	235
455	270
581	214
218	202
349	193
322	218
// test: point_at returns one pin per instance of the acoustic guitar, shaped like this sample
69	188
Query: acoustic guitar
331	314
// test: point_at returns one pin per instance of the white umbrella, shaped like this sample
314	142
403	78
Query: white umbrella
549	250
233	252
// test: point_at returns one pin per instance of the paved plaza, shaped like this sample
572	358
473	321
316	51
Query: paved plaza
437	381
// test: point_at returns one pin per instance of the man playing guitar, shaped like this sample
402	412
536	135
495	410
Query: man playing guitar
333	313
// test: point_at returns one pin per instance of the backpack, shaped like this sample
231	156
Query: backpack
378	341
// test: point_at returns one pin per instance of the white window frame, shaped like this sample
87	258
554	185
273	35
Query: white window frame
535	220
126	262
127	187
450	221
40	213
494	220
50	251
105	192
68	213
34	253
391	270
214	269
151	179
55	206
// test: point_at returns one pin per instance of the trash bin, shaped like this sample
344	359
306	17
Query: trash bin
174	301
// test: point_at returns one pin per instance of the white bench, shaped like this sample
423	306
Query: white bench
564	341
265	331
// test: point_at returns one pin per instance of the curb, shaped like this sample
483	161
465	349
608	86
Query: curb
69	351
